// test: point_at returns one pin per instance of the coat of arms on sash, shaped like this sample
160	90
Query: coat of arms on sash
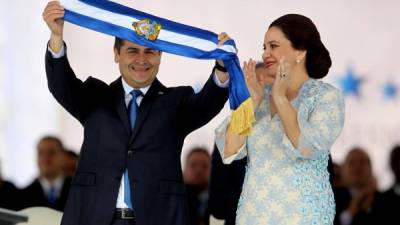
147	28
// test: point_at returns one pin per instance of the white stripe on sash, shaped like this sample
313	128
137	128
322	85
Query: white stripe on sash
126	22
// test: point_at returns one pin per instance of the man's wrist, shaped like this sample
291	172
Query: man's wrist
59	54
220	67
220	79
56	43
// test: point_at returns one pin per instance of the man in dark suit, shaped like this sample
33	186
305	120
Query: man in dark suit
51	187
129	171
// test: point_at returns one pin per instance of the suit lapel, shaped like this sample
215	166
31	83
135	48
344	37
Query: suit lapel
119	103
145	106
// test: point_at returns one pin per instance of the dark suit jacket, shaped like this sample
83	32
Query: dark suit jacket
151	152
225	187
387	208
343	199
34	195
10	196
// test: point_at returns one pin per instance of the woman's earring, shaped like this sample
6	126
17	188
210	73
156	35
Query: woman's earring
298	61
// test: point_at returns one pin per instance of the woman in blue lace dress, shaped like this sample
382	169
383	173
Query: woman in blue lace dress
298	118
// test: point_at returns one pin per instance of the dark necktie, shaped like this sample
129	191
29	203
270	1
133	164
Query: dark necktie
52	196
132	108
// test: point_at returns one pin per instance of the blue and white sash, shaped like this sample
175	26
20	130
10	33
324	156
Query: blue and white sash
154	32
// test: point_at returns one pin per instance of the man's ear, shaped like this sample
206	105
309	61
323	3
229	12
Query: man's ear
116	56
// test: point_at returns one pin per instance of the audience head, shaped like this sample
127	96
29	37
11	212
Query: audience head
296	38
395	162
357	169
70	162
337	175
197	167
49	158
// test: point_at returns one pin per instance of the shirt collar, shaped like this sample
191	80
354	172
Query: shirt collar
57	184
128	88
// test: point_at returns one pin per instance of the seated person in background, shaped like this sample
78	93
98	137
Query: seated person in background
9	195
70	162
196	176
356	202
51	187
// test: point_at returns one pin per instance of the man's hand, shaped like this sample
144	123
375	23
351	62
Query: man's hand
52	15
222	76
